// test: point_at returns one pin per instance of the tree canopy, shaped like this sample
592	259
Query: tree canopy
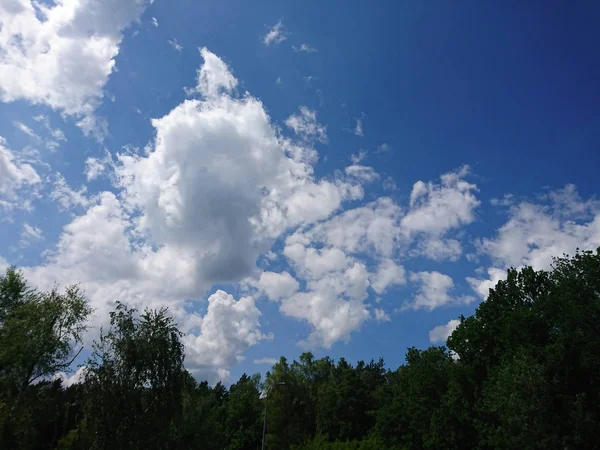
522	372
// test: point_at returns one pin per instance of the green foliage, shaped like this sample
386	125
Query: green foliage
243	418
522	372
321	442
40	335
39	330
134	382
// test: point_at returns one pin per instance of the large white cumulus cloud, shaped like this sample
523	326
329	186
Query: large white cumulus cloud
220	180
216	186
62	54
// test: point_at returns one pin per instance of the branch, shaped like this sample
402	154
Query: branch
57	367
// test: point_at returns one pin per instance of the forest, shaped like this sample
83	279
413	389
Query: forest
522	372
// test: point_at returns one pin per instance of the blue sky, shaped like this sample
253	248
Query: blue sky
337	177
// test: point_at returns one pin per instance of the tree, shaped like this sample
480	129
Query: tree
531	353
40	335
39	331
134	382
243	418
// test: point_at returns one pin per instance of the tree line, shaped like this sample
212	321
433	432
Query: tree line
522	372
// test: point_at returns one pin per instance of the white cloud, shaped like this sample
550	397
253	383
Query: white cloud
382	148
314	263
176	46
304	48
3	265
358	129
369	228
76	378
217	179
14	178
213	77
52	141
306	126
95	167
439	249
56	134
62	55
482	287
276	35
389	184
333	304
66	197
436	209
535	232
381	316
333	301
365	174
358	157
506	200
31	233
277	285
25	129
434	291
229	328
96	250
198	206
388	273
214	189
441	333
269	361
155	22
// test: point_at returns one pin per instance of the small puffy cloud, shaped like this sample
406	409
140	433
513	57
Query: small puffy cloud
25	129
435	209
441	333
62	54
276	35
66	197
383	148
176	46
229	328
506	200
155	22
358	129
56	135
439	249
333	305
94	167
76	378
277	285
356	158
306	126
434	291
483	286
304	48
381	316
362	173
213	77
3	265
15	177
388	273
314	263
31	233
269	361
389	184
